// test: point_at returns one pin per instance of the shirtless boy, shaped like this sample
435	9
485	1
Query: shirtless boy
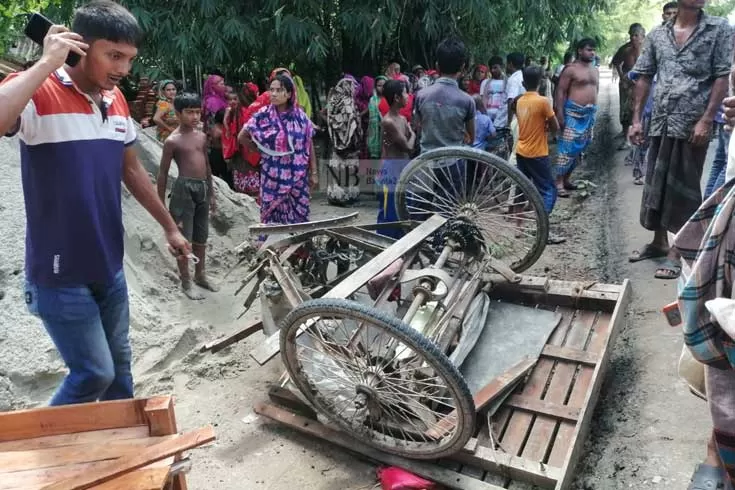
575	107
624	61
398	142
192	196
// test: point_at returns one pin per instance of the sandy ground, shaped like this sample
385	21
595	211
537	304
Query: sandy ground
647	428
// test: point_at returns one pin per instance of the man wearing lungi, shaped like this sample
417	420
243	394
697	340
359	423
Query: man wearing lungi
623	62
575	107
691	57
707	303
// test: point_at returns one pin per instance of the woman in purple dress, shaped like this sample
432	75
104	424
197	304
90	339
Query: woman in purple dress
283	133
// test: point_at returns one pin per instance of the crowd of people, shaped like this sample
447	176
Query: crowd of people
278	167
76	134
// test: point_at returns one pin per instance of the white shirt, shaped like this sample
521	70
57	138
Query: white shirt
513	88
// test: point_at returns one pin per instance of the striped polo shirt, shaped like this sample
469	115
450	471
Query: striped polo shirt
71	166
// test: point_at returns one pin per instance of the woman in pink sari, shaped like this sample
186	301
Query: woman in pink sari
214	99
283	133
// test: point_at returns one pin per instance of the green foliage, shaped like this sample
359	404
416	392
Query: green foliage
12	18
321	39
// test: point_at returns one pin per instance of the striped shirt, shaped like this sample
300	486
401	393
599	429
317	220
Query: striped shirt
71	166
707	246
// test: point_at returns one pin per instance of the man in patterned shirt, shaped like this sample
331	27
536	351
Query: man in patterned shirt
691	56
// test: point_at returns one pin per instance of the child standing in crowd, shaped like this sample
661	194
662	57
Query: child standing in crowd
192	196
484	128
535	116
398	142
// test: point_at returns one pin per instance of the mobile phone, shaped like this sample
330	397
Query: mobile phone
36	30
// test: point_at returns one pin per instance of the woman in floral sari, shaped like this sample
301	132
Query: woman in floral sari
283	134
165	116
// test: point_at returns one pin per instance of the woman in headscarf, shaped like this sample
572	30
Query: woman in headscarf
283	134
165	116
478	75
264	99
363	94
242	161
302	96
346	136
375	133
214	99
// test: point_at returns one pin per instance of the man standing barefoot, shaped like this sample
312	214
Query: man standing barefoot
691	57
623	61
575	107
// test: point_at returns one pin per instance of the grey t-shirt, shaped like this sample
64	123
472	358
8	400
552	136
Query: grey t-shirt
443	111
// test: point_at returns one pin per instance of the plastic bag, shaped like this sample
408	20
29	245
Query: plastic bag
393	478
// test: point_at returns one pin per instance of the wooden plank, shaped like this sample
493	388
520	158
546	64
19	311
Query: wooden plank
38	479
530	283
520	422
582	385
360	277
485	396
143	479
509	466
162	422
269	229
88	437
52	421
137	460
429	471
540	438
82	453
543	407
286	398
580	431
560	293
570	354
217	345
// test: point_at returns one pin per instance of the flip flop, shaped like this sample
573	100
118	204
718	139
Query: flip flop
562	193
571	187
648	252
670	269
706	477
638	181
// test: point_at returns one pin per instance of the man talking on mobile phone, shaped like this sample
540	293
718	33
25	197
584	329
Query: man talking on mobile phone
76	138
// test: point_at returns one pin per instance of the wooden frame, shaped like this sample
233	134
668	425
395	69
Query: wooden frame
127	444
539	431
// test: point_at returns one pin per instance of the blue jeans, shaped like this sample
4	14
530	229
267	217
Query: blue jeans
89	326
719	165
538	171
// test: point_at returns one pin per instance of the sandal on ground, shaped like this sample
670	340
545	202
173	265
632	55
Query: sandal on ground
638	181
555	239
670	269
648	252
707	477
571	187
563	193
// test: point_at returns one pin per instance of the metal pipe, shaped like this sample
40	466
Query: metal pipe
421	297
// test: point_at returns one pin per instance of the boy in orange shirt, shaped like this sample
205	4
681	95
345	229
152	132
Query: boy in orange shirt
535	118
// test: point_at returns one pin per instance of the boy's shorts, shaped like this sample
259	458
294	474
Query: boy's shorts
189	207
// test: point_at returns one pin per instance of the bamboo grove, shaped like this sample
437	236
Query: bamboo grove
323	38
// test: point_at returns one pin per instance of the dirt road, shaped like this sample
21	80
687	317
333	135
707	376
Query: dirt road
648	432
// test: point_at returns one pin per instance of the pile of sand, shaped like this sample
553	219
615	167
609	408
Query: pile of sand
166	329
